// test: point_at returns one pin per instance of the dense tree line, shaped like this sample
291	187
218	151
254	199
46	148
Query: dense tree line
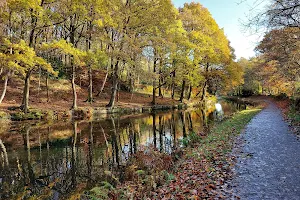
276	68
179	49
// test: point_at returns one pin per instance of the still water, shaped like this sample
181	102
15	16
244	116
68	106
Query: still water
53	160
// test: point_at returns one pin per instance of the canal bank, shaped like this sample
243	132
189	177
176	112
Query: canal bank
84	113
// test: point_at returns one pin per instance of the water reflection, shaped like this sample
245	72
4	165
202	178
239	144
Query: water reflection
57	160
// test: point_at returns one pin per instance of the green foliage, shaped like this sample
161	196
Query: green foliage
194	137
169	176
21	58
294	112
96	59
140	172
62	47
184	141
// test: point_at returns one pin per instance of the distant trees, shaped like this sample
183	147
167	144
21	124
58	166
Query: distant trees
183	50
279	55
283	46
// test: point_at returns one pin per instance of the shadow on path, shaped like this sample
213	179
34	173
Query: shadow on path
269	166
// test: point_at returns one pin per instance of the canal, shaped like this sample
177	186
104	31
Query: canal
50	160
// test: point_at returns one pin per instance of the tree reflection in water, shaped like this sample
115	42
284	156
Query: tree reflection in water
66	158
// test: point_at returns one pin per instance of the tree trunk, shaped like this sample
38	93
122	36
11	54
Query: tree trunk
131	83
88	47
33	26
103	84
25	101
74	105
115	86
173	84
160	81
191	129
154	83
204	91
4	152
190	92
90	95
39	87
173	91
118	93
205	83
47	86
182	91
5	86
160	89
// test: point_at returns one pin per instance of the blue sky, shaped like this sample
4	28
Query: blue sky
229	14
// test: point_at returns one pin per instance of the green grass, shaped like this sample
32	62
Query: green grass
219	140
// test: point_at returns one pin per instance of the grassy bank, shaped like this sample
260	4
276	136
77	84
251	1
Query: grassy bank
200	168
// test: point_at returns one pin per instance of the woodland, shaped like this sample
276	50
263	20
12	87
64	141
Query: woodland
136	44
141	44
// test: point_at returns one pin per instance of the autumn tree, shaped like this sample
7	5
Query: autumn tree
280	51
20	58
210	51
24	22
282	46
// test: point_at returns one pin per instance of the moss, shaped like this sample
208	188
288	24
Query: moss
34	114
4	115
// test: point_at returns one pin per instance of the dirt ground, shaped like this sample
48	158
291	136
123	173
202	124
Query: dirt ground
61	94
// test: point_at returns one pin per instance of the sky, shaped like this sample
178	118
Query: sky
229	14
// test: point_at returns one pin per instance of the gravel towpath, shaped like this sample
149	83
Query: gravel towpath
269	165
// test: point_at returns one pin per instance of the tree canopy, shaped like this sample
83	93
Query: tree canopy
168	48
